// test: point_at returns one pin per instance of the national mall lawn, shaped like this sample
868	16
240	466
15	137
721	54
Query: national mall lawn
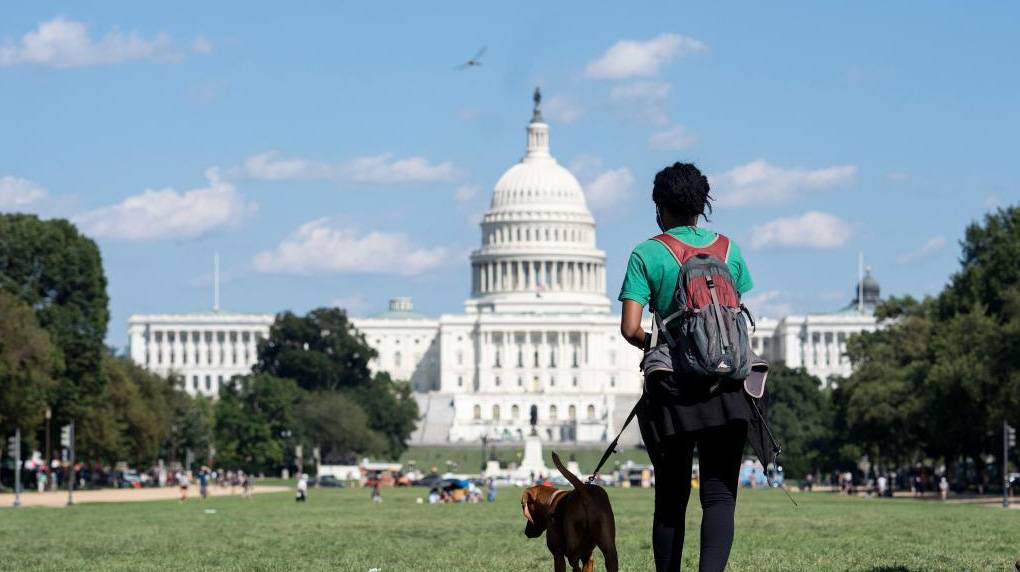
340	529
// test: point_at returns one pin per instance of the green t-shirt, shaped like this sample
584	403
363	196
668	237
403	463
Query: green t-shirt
652	271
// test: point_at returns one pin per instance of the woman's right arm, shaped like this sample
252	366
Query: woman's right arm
630	325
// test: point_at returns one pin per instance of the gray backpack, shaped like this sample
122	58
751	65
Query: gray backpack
707	335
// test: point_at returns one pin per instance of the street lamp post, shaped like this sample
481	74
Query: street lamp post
49	458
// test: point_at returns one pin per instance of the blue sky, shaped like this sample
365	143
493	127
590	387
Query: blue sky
332	155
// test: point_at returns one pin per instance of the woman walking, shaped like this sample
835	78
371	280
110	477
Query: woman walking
677	414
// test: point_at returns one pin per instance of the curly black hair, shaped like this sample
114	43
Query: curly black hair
682	190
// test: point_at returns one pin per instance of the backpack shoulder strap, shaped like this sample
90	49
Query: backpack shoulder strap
719	247
678	249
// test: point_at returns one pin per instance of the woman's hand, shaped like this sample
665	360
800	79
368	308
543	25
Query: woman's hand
630	325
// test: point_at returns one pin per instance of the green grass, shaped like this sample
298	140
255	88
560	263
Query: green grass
342	530
468	459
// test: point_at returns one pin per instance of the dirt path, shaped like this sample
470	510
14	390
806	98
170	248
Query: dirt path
59	498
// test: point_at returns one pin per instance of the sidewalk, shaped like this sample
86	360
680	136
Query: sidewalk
59	498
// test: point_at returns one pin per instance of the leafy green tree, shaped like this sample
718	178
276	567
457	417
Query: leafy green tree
801	414
339	426
253	416
885	402
58	272
323	352
28	363
191	425
989	266
392	410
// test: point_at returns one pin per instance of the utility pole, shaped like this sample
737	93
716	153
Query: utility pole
67	441
1008	440
14	450
49	456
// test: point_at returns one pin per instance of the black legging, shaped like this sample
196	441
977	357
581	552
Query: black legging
720	450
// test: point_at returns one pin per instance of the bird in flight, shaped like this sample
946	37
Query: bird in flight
474	61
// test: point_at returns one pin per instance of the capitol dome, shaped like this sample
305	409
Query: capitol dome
538	251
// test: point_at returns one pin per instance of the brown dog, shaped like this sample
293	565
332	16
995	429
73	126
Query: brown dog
574	522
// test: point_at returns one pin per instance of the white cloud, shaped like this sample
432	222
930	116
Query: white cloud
201	45
642	102
933	245
377	169
609	188
382	169
560	109
812	229
63	43
18	193
166	213
466	193
322	247
768	304
634	58
758	182
676	138
354	305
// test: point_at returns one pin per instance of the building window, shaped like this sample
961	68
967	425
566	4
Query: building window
552	381
477	412
515	411
575	356
536	358
574	381
572	412
520	357
495	412
591	412
497	381
460	358
460	381
552	358
612	358
552	413
208	383
194	383
396	359
612	381
520	381
498	358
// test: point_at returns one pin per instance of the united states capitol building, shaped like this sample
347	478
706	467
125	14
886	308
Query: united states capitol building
537	343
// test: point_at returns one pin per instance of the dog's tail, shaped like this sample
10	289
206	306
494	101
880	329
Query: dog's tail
567	474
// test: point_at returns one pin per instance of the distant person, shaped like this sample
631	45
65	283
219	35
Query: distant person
882	484
944	487
491	495
247	486
376	493
434	496
184	482
203	483
302	488
678	415
40	480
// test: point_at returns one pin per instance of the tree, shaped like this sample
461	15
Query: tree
253	416
884	399
323	352
28	363
989	266
802	415
59	274
339	426
392	410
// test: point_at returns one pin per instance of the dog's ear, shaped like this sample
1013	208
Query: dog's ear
526	499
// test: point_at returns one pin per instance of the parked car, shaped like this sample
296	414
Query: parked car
329	481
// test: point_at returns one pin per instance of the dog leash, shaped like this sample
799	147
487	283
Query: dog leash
612	446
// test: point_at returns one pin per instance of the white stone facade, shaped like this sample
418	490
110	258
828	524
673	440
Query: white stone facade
205	349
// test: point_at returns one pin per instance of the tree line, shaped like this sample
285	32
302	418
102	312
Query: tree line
932	386
311	386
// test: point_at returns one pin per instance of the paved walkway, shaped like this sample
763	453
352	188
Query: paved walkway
59	498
